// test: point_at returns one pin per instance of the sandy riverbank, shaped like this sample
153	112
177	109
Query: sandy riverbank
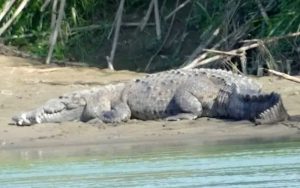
24	86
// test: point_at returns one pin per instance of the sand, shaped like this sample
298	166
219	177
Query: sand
25	84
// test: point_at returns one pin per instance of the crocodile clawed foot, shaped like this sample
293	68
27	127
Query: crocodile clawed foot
182	116
95	121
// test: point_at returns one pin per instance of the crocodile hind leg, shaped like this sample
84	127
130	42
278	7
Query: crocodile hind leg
189	107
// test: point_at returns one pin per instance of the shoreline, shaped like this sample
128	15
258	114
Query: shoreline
24	86
151	134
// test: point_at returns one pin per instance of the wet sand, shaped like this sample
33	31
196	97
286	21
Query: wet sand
25	84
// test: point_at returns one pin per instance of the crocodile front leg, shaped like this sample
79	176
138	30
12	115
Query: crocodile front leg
118	113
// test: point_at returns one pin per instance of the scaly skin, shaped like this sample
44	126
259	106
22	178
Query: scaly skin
170	95
85	105
189	94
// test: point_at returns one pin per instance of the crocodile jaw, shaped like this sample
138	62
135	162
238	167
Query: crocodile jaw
41	116
54	110
23	120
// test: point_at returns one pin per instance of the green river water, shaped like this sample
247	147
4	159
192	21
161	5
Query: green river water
246	165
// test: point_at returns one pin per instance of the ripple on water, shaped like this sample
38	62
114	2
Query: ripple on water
267	165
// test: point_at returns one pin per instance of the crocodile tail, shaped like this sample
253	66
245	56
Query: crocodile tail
258	107
274	113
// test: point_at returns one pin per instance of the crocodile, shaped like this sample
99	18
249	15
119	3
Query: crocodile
170	95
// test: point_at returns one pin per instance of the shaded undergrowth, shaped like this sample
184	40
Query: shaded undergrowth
198	25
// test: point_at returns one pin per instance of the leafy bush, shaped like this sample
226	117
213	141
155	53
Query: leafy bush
87	24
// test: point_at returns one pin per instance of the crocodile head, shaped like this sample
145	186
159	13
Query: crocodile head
64	108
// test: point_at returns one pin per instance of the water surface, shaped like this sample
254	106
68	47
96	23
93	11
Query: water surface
246	165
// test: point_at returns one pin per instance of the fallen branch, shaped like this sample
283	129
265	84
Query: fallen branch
200	60
222	52
196	56
196	62
283	75
272	39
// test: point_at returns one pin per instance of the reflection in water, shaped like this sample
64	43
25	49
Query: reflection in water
259	165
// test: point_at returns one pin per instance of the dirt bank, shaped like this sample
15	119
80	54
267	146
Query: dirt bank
24	86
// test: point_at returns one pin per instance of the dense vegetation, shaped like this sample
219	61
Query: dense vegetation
86	33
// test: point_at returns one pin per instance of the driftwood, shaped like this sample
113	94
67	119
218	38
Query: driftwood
283	75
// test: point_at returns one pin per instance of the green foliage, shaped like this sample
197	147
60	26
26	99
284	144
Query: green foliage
87	23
